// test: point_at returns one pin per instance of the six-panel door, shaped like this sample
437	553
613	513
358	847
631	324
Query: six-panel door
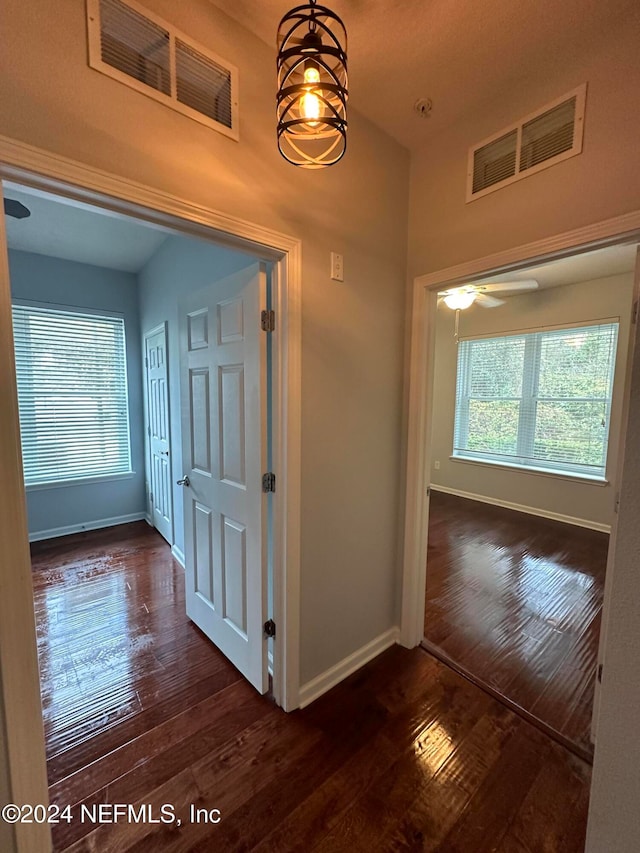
223	360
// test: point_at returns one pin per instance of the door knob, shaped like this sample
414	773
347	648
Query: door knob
184	481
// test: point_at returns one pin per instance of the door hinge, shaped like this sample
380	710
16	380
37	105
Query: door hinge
151	497
269	482
270	628
599	673
267	321
149	431
616	505
634	316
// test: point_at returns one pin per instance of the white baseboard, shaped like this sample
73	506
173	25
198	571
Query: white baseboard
148	519
99	523
530	510
313	689
177	555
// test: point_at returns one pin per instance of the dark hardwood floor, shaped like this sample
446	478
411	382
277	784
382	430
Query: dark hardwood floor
141	709
515	601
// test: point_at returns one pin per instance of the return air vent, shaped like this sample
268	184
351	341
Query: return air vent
136	47
538	141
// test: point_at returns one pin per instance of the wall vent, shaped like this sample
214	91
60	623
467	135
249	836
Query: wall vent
136	47
548	136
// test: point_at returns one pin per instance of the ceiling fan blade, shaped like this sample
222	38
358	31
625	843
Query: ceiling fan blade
485	301
16	209
462	289
508	286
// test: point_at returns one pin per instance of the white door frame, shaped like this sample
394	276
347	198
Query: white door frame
610	232
148	461
20	688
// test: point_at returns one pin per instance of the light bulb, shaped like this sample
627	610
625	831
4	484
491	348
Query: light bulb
311	75
460	299
310	106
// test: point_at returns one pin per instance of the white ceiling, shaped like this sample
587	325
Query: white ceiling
461	54
62	228
584	267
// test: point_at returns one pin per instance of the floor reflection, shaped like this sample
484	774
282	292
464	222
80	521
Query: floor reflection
102	617
516	601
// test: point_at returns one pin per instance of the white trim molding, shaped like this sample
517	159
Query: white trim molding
178	555
34	167
609	232
322	683
621	229
529	510
22	738
96	524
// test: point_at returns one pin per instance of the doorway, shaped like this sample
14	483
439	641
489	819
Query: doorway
156	382
515	560
77	313
281	252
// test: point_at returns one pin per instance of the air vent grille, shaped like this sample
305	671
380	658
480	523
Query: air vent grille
538	141
495	162
202	84
548	135
136	47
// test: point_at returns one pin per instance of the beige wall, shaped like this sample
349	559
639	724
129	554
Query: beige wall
602	182
586	301
352	333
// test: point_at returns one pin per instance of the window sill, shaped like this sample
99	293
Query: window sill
85	481
544	472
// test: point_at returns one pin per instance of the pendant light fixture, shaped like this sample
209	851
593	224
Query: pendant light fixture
312	87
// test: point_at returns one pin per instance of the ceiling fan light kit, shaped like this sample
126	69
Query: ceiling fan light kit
312	87
459	298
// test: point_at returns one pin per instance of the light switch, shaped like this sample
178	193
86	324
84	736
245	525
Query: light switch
337	268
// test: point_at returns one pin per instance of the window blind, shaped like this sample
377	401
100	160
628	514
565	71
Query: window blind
72	394
537	400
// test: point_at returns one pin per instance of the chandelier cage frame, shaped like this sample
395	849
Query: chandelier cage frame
312	87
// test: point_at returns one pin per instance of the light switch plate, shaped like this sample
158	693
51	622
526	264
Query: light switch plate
337	268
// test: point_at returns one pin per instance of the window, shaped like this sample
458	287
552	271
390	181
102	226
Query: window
539	400
72	394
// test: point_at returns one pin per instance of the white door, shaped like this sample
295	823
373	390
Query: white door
157	386
223	401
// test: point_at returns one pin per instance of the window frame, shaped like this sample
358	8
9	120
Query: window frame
528	403
81	311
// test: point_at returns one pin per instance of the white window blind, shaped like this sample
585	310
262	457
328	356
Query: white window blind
539	400
72	394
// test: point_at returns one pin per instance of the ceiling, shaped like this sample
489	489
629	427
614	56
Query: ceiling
584	267
62	228
458	53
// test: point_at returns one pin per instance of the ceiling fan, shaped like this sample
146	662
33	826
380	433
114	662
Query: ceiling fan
16	209
459	298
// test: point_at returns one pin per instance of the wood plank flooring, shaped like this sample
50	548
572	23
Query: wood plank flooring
516	601
140	709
